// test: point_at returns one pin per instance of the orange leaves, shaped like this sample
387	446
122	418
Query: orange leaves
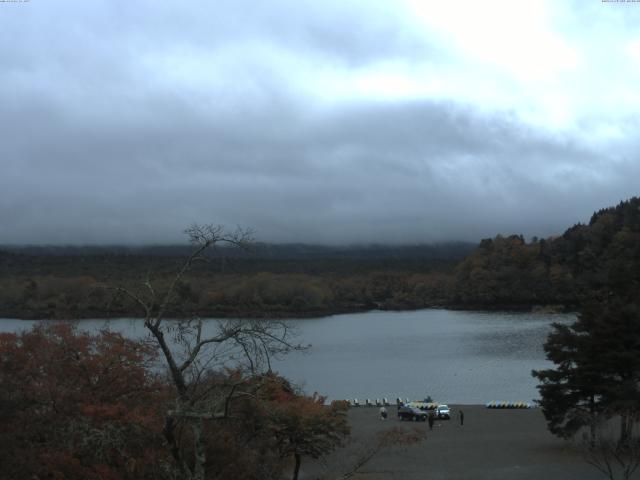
304	425
77	405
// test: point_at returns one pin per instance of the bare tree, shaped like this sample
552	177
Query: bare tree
192	348
355	455
614	451
392	437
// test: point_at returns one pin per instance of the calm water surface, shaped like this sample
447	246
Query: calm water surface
454	356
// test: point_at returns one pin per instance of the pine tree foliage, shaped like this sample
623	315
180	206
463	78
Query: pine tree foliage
597	374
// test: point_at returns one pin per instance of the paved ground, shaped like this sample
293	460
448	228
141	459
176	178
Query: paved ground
492	445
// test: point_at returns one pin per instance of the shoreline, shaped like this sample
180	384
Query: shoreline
281	314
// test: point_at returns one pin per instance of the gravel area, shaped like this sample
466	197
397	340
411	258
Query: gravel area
492	445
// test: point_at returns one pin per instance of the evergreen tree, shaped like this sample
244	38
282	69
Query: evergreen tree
615	330
597	374
570	399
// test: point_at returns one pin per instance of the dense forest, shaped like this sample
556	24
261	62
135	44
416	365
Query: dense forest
266	280
294	280
587	261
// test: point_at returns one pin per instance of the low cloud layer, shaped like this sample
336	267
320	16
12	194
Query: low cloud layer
124	124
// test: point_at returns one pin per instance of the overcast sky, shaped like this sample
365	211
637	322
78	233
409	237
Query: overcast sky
321	121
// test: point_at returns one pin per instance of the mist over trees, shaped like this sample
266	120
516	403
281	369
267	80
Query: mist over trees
297	280
85	406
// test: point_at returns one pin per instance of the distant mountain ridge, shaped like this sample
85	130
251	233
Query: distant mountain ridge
289	251
590	261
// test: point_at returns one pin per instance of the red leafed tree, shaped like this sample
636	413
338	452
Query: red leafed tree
303	426
75	405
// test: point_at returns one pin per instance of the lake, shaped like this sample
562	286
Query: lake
453	356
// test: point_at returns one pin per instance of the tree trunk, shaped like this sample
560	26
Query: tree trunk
593	422
199	452
176	374
296	469
626	428
169	435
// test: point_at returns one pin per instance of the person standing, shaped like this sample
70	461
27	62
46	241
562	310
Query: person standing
431	418
399	404
461	416
383	413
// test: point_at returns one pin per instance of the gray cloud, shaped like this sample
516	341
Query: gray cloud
96	149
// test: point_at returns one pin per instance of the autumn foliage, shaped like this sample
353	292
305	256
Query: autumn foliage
78	406
302	426
81	406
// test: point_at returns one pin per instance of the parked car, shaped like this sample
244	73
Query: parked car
443	411
412	413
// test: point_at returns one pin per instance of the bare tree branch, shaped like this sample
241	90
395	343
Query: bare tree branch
191	353
615	456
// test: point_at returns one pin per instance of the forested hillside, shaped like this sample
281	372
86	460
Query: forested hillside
268	280
292	280
586	261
